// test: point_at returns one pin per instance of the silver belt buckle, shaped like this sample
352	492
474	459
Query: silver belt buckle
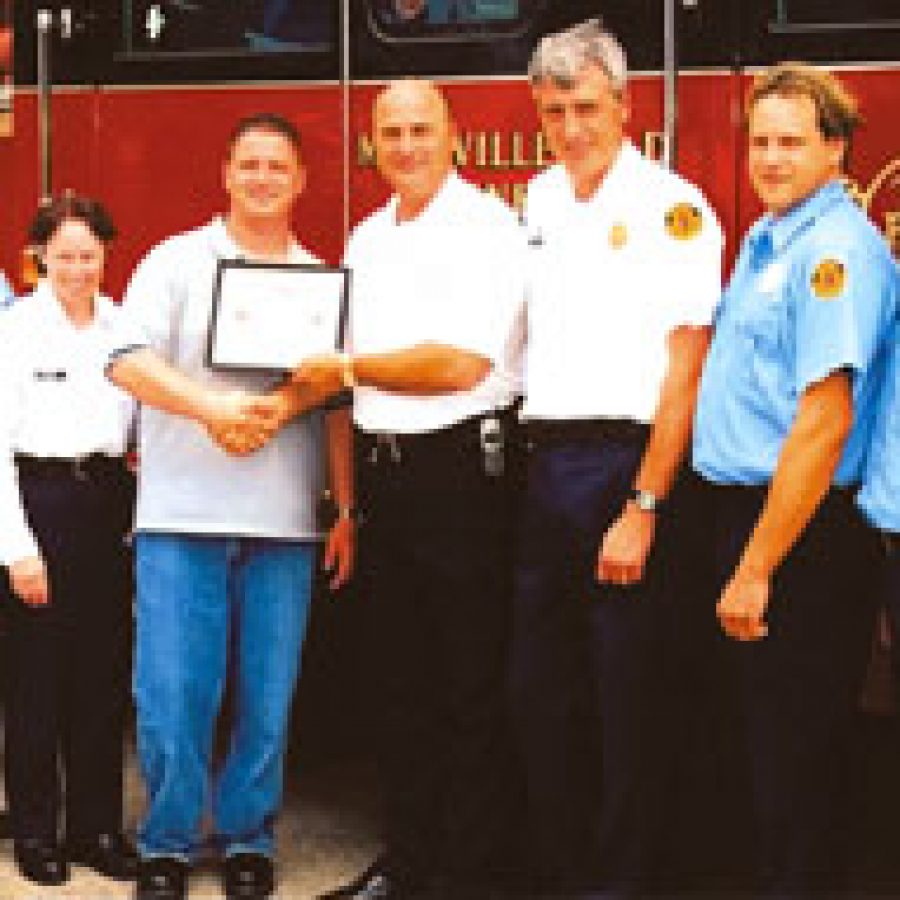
78	468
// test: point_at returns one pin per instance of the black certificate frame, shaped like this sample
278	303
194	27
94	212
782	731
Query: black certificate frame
310	269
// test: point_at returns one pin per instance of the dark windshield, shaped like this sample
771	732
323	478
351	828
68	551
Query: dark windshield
205	26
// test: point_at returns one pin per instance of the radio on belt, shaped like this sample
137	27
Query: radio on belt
491	432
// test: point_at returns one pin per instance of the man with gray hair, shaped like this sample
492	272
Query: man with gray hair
625	273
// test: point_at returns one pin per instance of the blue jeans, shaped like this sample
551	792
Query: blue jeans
207	606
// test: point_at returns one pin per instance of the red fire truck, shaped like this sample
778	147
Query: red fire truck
131	100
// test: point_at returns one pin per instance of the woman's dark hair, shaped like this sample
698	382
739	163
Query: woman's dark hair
53	213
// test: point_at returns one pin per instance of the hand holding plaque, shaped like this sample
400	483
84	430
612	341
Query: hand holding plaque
271	317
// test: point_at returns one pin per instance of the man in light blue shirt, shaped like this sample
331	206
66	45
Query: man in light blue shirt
879	498
785	411
7	297
779	331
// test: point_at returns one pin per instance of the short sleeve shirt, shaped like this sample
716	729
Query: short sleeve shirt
187	483
879	498
609	279
453	276
55	400
7	297
813	292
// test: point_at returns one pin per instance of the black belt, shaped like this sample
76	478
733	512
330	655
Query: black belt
845	492
553	433
397	447
93	467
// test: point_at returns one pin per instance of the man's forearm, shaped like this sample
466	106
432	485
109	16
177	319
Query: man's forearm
340	457
806	466
153	381
426	369
671	432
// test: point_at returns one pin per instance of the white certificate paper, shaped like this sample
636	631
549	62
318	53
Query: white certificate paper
271	317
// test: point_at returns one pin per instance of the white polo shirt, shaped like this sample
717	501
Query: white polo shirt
187	484
55	401
609	278
452	275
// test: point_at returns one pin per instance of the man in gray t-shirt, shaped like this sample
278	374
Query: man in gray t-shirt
225	542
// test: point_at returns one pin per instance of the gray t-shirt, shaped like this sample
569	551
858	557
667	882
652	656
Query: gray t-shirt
187	483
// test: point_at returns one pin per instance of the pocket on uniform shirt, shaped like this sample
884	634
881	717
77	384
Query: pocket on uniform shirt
763	324
769	368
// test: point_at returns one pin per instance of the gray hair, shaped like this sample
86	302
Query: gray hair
561	56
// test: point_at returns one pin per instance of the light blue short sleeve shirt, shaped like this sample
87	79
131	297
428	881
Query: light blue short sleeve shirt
879	498
6	292
813	292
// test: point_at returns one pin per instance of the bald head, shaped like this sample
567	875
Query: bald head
414	138
417	92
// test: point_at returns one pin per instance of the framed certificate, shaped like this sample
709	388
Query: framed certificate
269	317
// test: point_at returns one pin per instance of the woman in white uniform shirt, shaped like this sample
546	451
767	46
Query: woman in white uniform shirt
66	500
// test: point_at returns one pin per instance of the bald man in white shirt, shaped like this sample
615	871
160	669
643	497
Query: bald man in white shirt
434	326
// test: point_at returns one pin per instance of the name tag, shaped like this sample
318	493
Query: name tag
50	375
772	278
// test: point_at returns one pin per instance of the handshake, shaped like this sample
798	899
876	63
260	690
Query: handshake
241	422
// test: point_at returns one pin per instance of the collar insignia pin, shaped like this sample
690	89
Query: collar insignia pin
618	236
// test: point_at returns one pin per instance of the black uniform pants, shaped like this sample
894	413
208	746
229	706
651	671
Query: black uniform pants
888	590
68	661
794	693
433	566
585	674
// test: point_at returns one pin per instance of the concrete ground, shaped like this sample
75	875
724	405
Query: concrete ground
327	834
329	828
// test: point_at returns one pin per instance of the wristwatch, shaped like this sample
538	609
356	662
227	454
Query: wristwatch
346	512
645	500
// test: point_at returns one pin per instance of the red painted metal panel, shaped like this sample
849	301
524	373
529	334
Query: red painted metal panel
154	155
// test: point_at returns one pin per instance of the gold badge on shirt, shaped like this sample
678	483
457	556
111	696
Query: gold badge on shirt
618	236
829	279
684	221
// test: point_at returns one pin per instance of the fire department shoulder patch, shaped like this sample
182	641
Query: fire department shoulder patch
684	221
829	279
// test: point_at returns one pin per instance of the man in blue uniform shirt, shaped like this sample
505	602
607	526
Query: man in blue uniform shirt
782	426
6	292
879	498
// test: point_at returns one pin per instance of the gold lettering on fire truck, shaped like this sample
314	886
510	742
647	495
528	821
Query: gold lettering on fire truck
892	231
887	177
365	152
496	151
512	192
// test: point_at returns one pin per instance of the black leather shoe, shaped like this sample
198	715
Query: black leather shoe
41	861
161	878
109	853
248	876
379	882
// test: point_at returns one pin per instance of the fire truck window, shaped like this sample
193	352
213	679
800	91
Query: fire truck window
434	17
827	12
209	27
